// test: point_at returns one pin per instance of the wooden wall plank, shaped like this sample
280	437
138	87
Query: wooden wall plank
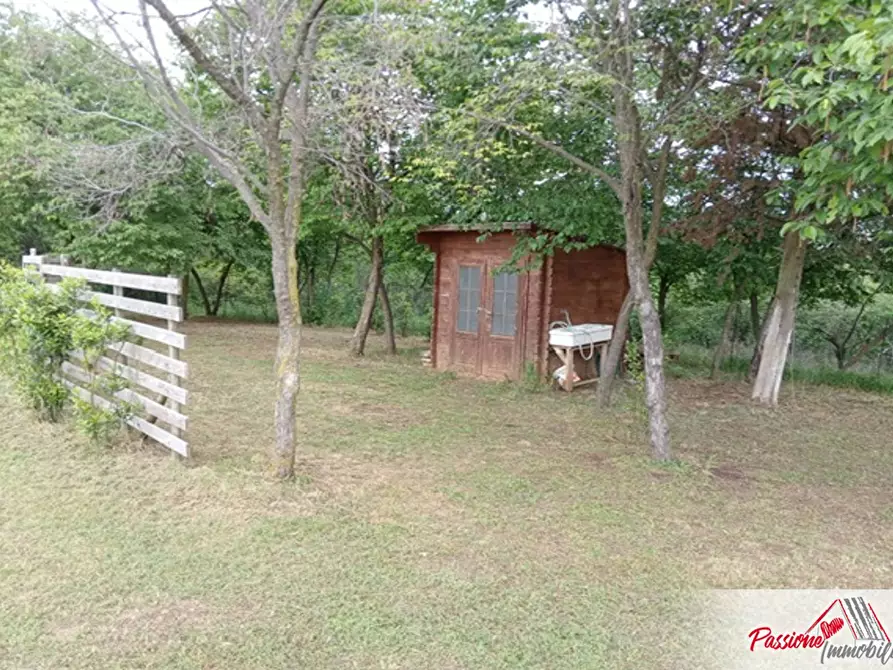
169	285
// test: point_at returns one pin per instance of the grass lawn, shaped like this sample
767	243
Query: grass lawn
437	523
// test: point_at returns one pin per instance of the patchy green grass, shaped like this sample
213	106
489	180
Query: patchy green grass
438	522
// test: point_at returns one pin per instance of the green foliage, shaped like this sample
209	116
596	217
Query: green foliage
534	382
819	326
36	331
99	424
829	60
632	359
39	329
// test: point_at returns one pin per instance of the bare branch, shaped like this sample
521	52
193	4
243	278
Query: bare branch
204	62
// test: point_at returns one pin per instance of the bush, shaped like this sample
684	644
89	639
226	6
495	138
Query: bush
39	329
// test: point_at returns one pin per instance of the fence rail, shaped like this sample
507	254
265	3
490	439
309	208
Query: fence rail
160	418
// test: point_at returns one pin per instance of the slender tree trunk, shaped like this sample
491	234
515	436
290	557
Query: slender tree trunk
755	316
655	385
734	339
221	284
310	290
663	291
608	371
722	348
760	341
840	355
779	324
639	255
608	368
186	296
361	332
629	144
206	303
331	273
390	335
288	308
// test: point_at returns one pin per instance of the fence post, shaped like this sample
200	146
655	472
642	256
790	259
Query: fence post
173	352
32	259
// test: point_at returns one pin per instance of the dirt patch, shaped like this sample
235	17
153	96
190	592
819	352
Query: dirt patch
380	414
729	473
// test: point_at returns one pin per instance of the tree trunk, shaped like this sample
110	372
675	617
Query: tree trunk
608	367
221	284
663	291
760	341
719	353
779	324
390	335
655	385
755	316
310	290
840	355
638	259
637	271
288	379
331	273
361	332
734	340
185	299
206	303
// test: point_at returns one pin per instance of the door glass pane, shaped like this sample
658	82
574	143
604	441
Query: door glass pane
469	298
505	304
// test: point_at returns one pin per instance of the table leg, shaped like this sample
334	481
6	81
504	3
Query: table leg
569	370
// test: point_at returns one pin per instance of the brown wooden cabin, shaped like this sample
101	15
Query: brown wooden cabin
492	325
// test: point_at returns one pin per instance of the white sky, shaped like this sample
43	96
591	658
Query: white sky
128	24
537	12
48	7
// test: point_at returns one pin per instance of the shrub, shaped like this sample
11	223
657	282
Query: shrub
39	329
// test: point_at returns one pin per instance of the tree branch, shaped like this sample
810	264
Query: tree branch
865	304
558	150
204	62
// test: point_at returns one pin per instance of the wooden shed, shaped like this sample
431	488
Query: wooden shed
492	324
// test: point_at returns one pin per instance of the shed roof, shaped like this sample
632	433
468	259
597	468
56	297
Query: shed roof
494	227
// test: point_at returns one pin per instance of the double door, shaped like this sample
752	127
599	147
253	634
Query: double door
486	319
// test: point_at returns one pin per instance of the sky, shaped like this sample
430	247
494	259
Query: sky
48	7
129	24
537	12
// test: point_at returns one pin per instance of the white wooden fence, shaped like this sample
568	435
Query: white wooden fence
156	369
